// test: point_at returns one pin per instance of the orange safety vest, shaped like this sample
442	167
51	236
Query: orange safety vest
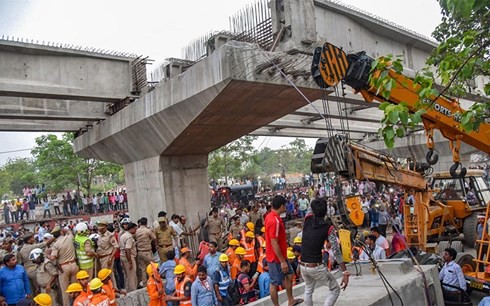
261	242
242	236
250	252
231	255
235	268
108	289
153	286
82	299
100	299
260	263
179	290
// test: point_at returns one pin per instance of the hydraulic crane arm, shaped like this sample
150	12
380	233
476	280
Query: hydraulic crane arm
331	66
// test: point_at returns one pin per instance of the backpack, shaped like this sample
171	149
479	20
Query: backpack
233	292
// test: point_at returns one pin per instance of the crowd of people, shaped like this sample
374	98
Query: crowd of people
248	251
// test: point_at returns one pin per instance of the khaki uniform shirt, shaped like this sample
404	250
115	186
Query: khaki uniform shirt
235	230
255	216
45	272
144	237
126	241
106	244
215	225
64	249
23	255
164	237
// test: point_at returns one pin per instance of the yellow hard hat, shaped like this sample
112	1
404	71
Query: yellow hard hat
96	283
82	274
291	255
250	226
263	244
234	242
240	251
290	249
249	234
179	269
43	299
297	240
104	273
75	287
262	229
223	257
152	266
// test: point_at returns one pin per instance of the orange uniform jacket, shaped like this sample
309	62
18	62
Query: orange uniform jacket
82	299
189	270
231	255
260	263
152	286
235	268
99	299
180	288
110	292
250	249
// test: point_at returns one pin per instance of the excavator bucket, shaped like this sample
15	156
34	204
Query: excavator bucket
353	204
329	65
346	245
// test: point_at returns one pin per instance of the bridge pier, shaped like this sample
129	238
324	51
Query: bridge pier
175	184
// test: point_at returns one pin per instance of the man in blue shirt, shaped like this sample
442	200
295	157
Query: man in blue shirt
14	283
264	281
451	274
202	290
222	281
211	260
167	271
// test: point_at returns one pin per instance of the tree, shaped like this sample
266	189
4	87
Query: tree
16	174
60	168
462	55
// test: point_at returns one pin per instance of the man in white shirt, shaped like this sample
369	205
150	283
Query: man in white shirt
451	274
380	240
372	247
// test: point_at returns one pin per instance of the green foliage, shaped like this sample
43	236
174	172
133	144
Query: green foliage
16	174
59	168
462	55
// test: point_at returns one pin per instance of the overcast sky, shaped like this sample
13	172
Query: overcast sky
158	29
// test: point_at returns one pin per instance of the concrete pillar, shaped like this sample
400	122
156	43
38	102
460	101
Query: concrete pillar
175	184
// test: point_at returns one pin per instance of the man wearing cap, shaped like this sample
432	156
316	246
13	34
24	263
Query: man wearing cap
249	227
190	269
215	226
251	251
23	257
63	253
165	238
107	247
99	298
235	267
144	238
46	275
230	252
128	256
222	280
183	286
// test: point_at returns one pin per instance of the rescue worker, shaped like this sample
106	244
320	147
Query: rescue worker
250	250
261	241
63	254
46	274
107	247
43	299
235	268
83	280
23	257
144	238
183	286
107	285
261	262
99	298
77	295
297	241
249	227
84	248
215	226
127	246
222	280
154	286
230	252
164	236
190	269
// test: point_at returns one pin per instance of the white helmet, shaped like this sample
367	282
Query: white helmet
81	227
125	220
94	236
35	254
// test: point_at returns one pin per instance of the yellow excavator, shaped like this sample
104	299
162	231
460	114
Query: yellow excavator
439	210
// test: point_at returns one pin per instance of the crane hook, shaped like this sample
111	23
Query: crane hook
432	157
454	173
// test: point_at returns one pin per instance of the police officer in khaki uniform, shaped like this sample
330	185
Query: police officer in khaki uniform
144	238
46	274
107	247
215	226
63	254
164	235
23	257
127	246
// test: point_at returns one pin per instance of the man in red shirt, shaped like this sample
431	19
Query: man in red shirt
280	270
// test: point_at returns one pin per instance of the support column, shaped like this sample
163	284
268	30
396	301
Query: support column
175	184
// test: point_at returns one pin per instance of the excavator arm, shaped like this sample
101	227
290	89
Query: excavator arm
331	66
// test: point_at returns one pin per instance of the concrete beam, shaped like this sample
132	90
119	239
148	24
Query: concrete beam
372	115
46	72
264	131
295	122
49	109
29	125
